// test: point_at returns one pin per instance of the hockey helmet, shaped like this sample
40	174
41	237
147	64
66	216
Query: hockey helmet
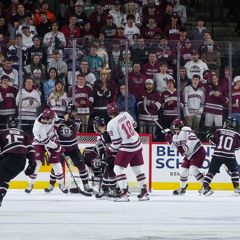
105	70
70	108
176	124
112	108
230	123
99	121
12	122
48	114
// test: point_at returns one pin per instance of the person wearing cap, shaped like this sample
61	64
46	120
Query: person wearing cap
30	102
194	100
116	13
27	22
38	82
152	66
172	29
148	31
153	105
80	15
44	8
7	100
132	11
211	57
181	10
58	99
236	100
98	19
109	29
121	37
151	11
196	65
44	26
186	52
89	7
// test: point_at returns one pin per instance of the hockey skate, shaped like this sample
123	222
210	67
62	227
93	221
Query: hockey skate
122	196
103	194
29	188
49	188
144	195
63	188
237	191
1	199
87	189
111	193
180	191
207	191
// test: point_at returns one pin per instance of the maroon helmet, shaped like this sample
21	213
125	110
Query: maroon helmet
112	108
48	113
176	124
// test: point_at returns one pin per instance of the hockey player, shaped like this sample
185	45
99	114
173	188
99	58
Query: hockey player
187	143
15	146
227	141
126	142
46	140
67	131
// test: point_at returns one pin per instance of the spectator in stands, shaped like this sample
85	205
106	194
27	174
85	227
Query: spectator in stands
211	57
216	100
49	85
57	99
184	79
27	37
44	8
28	102
160	79
11	12
195	66
98	19
109	29
186	52
7	101
87	33
183	36
135	38
37	49
121	37
44	26
197	33
95	62
172	29
116	13
226	79
152	67
1	56
153	105
194	100
54	40
18	18
8	70
152	11
58	64
181	10
80	15
54	7
207	38
149	30
121	102
70	9
71	30
131	29
132	11
89	77
156	43
89	7
64	6
83	100
38	82
27	22
136	81
140	53
236	100
4	33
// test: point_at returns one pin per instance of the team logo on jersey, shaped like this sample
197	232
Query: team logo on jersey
96	162
66	131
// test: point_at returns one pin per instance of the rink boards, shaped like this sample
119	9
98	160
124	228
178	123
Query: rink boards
162	173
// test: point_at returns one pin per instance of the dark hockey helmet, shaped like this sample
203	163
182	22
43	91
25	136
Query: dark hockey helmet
230	123
12	122
71	108
176	124
48	114
99	121
112	108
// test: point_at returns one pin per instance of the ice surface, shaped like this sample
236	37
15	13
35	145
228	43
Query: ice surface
68	217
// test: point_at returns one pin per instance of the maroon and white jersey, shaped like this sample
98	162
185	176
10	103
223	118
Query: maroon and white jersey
236	100
172	32
155	105
148	69
169	103
186	55
215	104
188	141
226	142
12	74
148	31
16	141
7	101
45	134
67	135
122	133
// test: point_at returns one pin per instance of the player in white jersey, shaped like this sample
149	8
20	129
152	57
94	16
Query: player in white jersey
46	140
126	142
187	143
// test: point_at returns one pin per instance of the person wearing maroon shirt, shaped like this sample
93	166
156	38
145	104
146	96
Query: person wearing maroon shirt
172	29
121	37
148	31
152	67
186	52
152	11
70	30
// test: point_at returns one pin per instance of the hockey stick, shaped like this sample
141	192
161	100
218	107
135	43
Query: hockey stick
103	172
74	179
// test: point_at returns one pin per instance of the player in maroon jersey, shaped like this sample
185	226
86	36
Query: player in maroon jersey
15	146
227	141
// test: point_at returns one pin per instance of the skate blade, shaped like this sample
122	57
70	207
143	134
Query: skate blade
208	193
145	198
124	199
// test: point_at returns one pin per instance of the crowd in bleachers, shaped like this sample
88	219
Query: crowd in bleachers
41	37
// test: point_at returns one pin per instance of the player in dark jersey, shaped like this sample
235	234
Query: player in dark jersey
227	141
67	131
15	146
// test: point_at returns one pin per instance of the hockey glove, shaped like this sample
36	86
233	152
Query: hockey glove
30	169
70	123
169	137
181	150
